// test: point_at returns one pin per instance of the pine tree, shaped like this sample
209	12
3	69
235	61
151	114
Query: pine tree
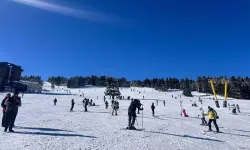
186	88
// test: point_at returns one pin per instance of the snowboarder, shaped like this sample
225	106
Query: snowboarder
4	108
132	113
12	104
153	109
212	115
72	105
203	120
107	104
164	103
115	107
55	101
238	108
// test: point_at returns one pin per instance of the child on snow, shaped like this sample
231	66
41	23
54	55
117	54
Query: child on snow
204	122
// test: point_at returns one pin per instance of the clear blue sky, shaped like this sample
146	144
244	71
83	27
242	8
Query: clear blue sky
131	38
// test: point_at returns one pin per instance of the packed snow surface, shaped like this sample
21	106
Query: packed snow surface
40	125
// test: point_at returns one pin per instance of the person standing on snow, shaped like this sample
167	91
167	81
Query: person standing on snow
86	104
55	101
164	103
132	113
12	104
4	108
238	108
115	106
212	115
153	109
72	105
107	104
157	102
203	120
234	109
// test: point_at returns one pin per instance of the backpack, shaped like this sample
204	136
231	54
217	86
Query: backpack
215	114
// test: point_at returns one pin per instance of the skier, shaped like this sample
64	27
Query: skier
238	108
115	106
12	104
107	104
153	109
132	113
55	101
72	105
18	103
86	104
164	103
4	108
212	115
234	109
203	120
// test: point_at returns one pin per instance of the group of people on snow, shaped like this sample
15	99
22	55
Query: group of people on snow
235	108
10	106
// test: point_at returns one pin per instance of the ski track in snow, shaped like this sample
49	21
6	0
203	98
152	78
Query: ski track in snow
41	125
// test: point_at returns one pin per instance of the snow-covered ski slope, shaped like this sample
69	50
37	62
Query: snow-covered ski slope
41	125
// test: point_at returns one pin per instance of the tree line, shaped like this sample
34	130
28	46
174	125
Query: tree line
80	81
32	78
237	87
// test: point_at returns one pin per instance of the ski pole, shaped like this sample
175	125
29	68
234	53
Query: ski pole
142	119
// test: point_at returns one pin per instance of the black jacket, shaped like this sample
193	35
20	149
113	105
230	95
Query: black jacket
152	107
135	104
3	103
13	103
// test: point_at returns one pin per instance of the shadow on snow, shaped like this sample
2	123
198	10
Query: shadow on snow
55	134
43	129
186	136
